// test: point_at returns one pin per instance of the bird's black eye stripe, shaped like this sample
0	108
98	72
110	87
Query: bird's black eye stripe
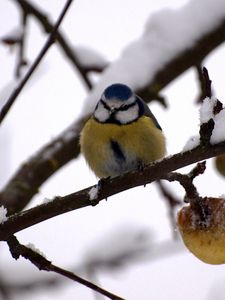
105	105
127	106
122	107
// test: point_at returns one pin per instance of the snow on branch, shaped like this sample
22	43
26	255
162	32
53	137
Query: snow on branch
70	148
90	59
212	119
3	214
169	35
42	263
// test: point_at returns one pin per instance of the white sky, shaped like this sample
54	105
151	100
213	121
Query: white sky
52	100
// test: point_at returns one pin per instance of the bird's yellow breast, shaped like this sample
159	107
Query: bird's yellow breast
140	142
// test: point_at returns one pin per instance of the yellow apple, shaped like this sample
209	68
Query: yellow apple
206	240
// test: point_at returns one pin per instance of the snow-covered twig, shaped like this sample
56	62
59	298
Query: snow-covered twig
90	60
42	263
172	41
3	214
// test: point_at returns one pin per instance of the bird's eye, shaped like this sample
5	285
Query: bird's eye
124	107
127	106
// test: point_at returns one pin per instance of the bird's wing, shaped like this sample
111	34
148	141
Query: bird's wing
147	112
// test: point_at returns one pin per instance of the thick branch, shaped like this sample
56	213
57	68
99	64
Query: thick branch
29	8
26	182
190	57
109	187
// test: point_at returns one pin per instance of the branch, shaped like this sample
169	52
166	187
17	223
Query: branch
29	285
201	82
172	203
197	203
27	180
190	57
206	128
109	187
34	166
207	82
42	263
30	9
40	56
21	59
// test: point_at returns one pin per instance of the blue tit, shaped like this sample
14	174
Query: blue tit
122	134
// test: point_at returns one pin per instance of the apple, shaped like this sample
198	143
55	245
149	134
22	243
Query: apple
204	238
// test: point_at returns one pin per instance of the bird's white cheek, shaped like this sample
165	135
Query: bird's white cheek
127	116
101	114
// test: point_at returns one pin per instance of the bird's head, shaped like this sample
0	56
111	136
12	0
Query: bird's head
118	104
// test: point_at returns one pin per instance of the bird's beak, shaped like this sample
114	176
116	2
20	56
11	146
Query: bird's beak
113	110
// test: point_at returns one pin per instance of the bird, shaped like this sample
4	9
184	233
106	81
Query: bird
122	134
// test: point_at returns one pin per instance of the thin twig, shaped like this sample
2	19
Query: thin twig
204	83
21	59
172	202
199	169
69	51
40	56
201	96
192	195
85	282
42	263
206	128
186	182
171	199
207	83
111	186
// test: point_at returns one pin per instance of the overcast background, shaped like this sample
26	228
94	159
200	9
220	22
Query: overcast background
52	100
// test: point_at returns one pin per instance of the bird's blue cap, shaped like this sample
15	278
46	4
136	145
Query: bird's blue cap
119	91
